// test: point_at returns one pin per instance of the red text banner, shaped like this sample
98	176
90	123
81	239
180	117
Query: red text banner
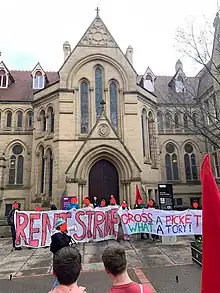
34	229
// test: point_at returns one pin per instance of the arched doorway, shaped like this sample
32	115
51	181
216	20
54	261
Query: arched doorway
103	181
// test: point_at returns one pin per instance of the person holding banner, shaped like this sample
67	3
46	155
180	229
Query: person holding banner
140	205
11	223
73	204
95	202
124	206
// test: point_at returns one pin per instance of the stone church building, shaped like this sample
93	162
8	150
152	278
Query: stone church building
94	128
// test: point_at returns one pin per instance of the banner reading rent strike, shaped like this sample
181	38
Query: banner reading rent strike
162	223
34	229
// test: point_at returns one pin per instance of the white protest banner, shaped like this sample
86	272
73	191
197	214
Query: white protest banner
34	229
162	223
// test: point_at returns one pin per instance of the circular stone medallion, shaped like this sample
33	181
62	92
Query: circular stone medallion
103	130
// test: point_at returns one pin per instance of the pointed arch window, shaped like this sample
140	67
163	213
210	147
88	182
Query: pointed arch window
30	119
144	130
43	121
191	171
160	121
8	119
98	90
185	122
38	80
176	121
50	171
19	119
84	107
16	165
50	120
3	79
168	121
216	158
171	163
41	168
150	122
113	104
194	119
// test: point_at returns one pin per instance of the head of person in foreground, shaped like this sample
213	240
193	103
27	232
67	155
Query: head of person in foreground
115	263
67	264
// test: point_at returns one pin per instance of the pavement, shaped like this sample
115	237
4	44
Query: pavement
148	262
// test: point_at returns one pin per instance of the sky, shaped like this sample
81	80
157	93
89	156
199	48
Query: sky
33	31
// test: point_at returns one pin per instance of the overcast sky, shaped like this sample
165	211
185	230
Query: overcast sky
34	31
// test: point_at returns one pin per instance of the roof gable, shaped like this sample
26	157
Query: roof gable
97	35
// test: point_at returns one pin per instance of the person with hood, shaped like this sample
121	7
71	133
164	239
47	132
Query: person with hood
11	223
67	265
60	239
95	202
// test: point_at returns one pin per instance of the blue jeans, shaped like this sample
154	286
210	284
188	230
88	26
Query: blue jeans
55	284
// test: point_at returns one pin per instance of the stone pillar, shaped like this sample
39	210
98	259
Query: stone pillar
91	110
77	112
45	174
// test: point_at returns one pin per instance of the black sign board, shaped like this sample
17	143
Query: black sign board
165	194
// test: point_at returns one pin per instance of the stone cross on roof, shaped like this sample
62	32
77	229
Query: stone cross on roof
97	11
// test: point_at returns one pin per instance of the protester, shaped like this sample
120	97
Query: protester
87	203
110	198
115	263
112	201
152	205
60	239
67	264
103	203
140	205
73	204
11	223
38	209
95	202
124	206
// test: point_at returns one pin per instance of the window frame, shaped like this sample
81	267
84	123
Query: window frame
2	79
37	83
17	172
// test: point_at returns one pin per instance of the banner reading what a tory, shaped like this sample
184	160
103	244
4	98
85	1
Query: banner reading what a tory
34	229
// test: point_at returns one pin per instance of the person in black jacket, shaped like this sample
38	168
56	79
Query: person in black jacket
11	223
60	238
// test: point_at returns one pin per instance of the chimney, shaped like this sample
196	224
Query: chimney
66	50
129	54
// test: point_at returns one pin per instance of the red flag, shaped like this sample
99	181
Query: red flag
210	229
138	195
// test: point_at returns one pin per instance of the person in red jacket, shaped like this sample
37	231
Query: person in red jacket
115	263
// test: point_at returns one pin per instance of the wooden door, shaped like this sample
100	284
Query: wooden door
103	181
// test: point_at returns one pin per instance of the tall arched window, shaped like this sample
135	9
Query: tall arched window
38	80
50	120
19	119
16	165
185	122
3	79
43	120
30	119
194	118
9	119
216	158
190	163
159	121
144	131
168	121
41	168
176	121
150	122
98	91
113	104
171	163
49	171
84	107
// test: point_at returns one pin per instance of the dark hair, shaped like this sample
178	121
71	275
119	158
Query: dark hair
53	207
114	260
67	264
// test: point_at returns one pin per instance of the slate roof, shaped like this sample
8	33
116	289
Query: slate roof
22	87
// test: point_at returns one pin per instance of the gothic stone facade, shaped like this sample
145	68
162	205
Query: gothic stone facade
95	128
